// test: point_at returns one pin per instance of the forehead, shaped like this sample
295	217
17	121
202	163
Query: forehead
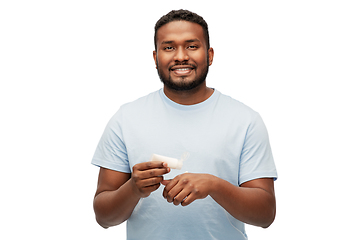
180	31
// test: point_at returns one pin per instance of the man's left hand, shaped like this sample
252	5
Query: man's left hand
187	187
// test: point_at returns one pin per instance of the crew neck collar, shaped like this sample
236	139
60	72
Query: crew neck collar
188	107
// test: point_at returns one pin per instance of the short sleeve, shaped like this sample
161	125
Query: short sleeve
256	159
111	151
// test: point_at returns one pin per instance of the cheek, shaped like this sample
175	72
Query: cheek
163	60
200	58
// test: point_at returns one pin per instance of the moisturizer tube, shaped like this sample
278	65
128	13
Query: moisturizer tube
171	162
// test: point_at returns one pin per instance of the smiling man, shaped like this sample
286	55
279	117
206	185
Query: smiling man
227	181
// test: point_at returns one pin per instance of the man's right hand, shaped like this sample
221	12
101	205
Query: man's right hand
147	176
118	192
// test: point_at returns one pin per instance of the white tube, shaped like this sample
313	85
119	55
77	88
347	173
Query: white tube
171	162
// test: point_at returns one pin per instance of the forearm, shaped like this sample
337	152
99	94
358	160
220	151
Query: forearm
114	207
254	206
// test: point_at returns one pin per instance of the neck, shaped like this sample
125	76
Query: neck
190	97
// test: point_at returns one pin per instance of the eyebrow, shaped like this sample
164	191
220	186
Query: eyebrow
187	41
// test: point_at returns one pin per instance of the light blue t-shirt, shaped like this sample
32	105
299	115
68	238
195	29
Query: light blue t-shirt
223	136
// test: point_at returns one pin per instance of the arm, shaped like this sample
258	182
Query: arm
118	193
253	202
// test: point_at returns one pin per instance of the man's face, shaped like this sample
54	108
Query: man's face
181	57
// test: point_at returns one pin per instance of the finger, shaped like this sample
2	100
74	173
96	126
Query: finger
172	182
169	186
148	173
152	188
165	182
153	173
189	199
194	194
176	193
149	165
180	197
150	182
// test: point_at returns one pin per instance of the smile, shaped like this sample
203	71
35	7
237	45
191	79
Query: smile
182	71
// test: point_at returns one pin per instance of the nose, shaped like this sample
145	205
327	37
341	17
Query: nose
181	55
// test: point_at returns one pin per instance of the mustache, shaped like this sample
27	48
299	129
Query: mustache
182	64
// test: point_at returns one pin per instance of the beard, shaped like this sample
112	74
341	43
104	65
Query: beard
183	85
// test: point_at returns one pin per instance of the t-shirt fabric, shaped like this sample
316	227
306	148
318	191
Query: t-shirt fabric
223	137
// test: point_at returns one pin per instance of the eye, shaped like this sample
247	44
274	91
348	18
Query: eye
192	47
168	48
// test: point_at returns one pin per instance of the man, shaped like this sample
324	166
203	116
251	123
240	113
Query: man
227	181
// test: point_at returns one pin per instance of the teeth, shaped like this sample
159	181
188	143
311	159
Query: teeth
183	69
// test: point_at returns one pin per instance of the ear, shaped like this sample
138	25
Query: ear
211	55
154	56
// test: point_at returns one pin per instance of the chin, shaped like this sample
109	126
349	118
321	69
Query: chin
182	84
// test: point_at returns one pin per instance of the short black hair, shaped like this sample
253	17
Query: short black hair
182	15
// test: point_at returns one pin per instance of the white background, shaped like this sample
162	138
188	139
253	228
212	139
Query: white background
67	66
